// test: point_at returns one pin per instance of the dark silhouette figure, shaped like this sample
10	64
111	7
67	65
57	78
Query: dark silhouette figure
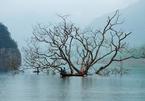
62	72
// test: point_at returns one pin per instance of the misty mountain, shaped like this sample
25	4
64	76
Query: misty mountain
10	56
5	39
134	21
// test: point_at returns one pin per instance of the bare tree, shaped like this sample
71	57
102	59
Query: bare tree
64	47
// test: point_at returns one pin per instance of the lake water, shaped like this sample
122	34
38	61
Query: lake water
31	87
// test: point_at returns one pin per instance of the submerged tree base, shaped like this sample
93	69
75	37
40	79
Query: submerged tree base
69	75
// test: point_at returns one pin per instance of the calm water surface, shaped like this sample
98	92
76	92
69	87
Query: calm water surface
31	87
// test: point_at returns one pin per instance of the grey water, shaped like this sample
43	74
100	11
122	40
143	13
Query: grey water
32	87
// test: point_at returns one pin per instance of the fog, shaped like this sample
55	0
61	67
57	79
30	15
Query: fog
21	15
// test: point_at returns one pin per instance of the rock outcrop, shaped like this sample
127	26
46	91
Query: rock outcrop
10	56
10	59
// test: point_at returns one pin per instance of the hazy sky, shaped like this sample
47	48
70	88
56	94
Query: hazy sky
21	15
86	9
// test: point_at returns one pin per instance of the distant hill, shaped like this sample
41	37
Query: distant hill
134	21
5	39
10	57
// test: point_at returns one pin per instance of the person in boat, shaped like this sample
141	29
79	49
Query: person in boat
63	71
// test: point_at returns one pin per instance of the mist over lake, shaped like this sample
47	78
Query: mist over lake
72	50
44	87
